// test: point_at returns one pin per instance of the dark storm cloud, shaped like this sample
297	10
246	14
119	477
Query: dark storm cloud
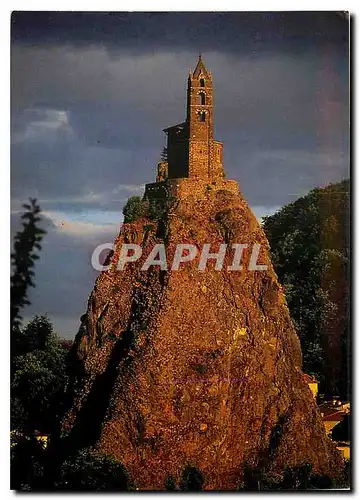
52	163
147	32
91	93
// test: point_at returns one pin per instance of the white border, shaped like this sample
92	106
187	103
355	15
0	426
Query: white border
134	5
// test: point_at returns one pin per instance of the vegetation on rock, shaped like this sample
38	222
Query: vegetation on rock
137	208
90	470
39	380
133	209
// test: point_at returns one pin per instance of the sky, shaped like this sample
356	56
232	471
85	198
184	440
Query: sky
92	92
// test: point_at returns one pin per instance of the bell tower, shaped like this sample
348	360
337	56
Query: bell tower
201	121
192	150
192	163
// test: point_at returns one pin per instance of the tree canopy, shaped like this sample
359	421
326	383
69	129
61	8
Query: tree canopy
40	378
133	209
310	242
23	259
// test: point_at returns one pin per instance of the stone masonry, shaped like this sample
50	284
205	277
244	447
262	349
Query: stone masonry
192	151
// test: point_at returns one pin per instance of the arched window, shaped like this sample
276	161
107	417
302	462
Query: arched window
202	82
201	98
202	116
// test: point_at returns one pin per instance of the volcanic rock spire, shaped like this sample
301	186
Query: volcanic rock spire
193	367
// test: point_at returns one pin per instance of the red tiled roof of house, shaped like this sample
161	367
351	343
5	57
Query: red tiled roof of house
336	416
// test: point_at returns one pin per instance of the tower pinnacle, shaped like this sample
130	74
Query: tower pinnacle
200	68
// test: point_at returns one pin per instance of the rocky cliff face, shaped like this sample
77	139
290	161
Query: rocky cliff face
195	368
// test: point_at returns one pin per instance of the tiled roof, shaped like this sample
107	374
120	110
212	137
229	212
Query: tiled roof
336	416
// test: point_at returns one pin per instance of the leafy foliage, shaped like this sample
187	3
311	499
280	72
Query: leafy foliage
133	209
39	378
154	209
27	465
23	259
38	392
299	477
309	242
170	484
90	470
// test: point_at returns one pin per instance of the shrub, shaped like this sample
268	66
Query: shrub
90	470
133	209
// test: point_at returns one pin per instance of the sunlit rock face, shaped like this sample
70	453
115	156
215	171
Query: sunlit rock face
193	367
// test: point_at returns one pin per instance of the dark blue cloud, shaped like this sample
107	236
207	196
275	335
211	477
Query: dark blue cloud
147	32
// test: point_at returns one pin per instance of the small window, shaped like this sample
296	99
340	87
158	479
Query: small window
202	98
202	116
202	82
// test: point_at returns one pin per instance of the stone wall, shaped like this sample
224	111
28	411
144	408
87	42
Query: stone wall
183	188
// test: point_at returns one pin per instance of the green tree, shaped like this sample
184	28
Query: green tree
309	242
299	477
133	209
90	470
170	483
34	336
23	259
27	465
153	209
39	381
87	470
157	209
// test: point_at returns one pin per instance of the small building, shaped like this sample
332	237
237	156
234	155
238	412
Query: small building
312	383
332	419
332	414
341	434
17	437
336	417
344	448
41	438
